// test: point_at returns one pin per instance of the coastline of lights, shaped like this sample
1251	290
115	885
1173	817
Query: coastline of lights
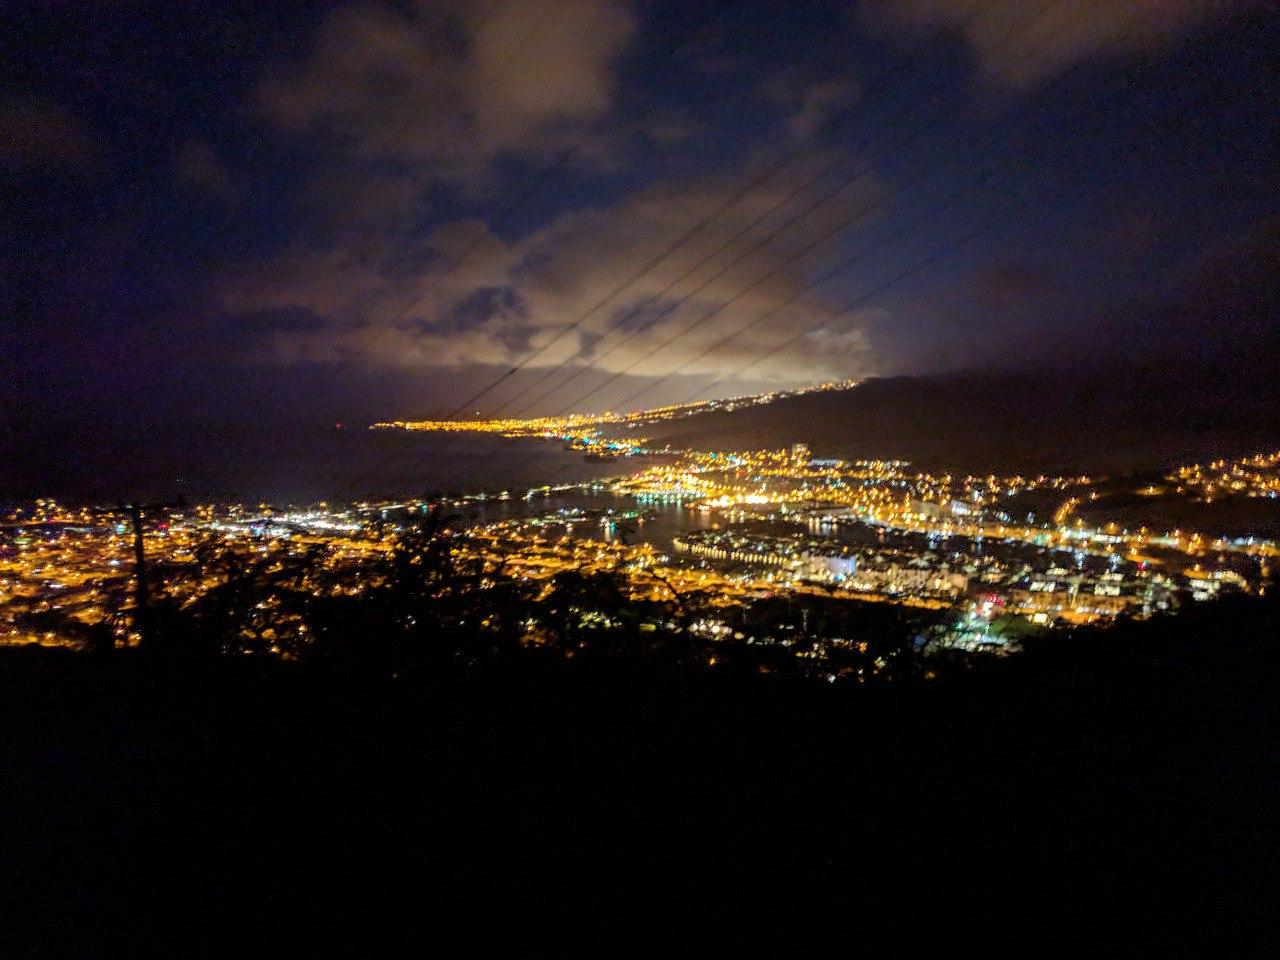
581	424
78	562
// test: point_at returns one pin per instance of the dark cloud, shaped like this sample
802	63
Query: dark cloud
555	275
1057	33
1009	283
453	86
810	105
287	320
486	305
197	163
338	195
446	92
1225	314
1221	314
37	133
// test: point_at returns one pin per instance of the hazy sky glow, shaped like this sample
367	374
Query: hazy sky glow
374	209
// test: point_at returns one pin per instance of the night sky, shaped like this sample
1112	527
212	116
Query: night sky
242	212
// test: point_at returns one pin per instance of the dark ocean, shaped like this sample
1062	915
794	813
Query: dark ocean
306	464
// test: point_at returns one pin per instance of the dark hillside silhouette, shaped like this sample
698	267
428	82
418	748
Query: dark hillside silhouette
1121	419
400	783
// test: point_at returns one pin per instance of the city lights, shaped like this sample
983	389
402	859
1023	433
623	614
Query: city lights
753	523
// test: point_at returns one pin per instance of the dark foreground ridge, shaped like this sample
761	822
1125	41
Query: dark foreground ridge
1118	783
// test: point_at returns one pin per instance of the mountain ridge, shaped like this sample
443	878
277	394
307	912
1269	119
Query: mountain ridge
1103	421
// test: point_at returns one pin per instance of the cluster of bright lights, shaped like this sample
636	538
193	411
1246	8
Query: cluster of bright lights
1257	476
79	561
578	425
874	489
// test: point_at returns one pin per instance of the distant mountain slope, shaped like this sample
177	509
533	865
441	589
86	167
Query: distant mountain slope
1094	423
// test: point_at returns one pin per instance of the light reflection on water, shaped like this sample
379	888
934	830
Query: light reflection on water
658	521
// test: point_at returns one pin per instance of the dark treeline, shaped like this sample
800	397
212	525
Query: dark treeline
428	605
434	607
452	752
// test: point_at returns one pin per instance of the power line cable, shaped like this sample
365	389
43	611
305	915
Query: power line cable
879	289
790	300
576	324
830	315
778	204
720	309
788	261
915	267
636	331
533	186
538	181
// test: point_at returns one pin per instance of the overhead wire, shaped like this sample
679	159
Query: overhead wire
533	186
915	266
697	323
743	191
829	315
